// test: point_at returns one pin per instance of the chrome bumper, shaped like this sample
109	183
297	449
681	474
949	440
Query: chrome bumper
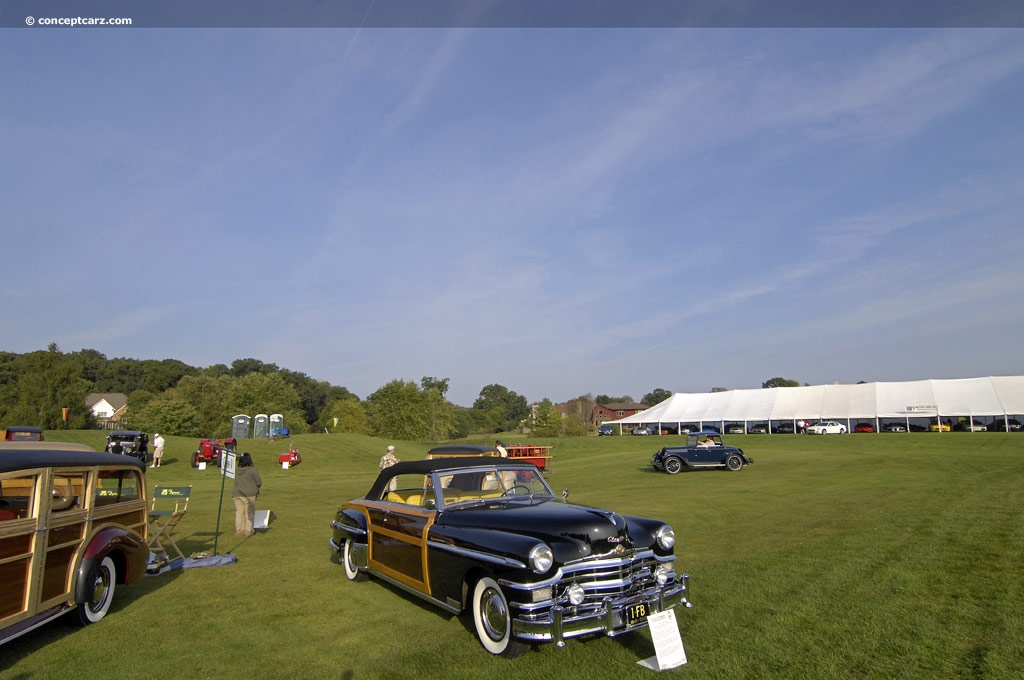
561	622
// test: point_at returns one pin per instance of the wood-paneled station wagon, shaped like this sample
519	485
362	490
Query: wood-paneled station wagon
487	535
73	526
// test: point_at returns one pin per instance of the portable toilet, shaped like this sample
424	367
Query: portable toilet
240	425
259	426
276	425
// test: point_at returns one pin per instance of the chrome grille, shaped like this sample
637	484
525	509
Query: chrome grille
620	577
602	578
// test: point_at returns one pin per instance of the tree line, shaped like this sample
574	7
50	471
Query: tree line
174	398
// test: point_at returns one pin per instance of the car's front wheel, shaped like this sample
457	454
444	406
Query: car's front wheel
673	465
100	593
493	620
351	572
734	462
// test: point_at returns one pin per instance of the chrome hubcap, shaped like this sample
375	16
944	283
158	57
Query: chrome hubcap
493	614
99	590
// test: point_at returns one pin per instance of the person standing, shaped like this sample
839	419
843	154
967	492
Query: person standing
387	460
244	493
158	452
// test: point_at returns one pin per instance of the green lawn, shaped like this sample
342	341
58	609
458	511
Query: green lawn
865	555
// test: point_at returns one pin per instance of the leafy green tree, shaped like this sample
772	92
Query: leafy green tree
505	409
431	383
242	367
216	371
656	396
137	401
398	410
169	413
49	381
604	399
780	382
440	415
471	421
211	398
350	414
545	420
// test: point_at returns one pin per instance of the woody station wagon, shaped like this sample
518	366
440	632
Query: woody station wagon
72	527
487	535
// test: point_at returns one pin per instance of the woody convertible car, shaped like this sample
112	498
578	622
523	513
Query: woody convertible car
487	535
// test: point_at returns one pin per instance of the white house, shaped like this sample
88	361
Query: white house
108	408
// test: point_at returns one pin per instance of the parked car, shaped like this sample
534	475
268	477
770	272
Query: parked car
894	427
72	529
826	427
605	430
735	429
487	536
757	428
970	425
785	427
23	433
703	450
1003	425
936	427
864	427
129	443
641	431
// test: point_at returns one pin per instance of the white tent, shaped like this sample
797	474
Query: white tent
994	397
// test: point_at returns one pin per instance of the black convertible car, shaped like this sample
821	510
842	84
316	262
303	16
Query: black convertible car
702	450
487	535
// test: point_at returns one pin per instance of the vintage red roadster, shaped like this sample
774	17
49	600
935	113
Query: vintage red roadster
487	536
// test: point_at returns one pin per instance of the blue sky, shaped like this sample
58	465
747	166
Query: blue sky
558	211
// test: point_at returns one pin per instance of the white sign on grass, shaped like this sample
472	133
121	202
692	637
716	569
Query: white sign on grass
668	645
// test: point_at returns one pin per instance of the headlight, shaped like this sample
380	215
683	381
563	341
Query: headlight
576	594
666	537
541	558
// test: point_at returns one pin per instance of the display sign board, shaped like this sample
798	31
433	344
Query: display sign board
228	464
668	645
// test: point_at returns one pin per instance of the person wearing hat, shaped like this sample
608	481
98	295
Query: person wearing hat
386	461
244	493
158	452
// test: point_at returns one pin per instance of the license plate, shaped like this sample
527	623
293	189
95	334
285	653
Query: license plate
636	613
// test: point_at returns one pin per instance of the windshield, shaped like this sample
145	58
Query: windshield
479	485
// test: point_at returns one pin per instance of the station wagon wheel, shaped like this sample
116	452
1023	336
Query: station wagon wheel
493	620
100	593
734	462
673	465
351	572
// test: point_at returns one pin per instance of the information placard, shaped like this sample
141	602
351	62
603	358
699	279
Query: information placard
668	645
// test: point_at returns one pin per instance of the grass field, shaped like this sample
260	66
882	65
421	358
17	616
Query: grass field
866	555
